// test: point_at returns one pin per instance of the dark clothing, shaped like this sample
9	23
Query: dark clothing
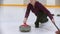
38	7
41	17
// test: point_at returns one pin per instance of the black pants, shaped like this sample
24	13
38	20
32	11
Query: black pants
41	17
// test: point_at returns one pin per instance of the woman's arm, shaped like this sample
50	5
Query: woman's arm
27	13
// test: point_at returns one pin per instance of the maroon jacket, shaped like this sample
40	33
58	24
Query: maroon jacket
37	7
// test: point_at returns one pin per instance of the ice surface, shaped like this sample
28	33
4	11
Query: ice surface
12	17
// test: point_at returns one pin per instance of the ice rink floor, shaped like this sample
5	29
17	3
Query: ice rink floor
12	17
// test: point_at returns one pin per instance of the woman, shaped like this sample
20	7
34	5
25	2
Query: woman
40	11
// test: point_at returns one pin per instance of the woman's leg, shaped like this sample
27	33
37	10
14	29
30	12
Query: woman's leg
43	18
37	23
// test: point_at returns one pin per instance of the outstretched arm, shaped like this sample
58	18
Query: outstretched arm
27	13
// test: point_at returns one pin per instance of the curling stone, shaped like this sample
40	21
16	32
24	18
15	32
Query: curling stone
25	28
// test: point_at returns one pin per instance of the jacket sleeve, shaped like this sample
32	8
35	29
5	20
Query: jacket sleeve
27	11
46	11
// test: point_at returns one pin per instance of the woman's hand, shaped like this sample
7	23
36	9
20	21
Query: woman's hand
25	20
53	21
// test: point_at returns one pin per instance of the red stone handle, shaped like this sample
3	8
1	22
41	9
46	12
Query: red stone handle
24	24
